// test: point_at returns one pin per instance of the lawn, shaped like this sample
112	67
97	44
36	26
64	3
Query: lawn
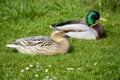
86	60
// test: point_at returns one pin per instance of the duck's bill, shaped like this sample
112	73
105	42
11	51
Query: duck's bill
103	19
66	36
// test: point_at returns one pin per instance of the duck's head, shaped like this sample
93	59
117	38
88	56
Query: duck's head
91	17
58	35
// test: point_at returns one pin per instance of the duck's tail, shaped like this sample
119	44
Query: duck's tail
54	28
12	45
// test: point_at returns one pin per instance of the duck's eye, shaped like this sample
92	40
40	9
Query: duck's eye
61	32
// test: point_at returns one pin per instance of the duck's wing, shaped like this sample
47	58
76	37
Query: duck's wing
68	23
71	26
33	40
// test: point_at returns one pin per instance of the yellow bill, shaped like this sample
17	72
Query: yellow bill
103	19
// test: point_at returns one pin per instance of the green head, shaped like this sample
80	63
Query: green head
91	18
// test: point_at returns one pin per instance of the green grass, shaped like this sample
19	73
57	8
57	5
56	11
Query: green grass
90	59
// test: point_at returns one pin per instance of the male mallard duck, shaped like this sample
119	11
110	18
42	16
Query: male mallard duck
56	44
88	29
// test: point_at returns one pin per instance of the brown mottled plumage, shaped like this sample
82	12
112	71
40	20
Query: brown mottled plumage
56	44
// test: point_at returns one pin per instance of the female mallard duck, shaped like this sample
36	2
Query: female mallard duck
56	44
88	29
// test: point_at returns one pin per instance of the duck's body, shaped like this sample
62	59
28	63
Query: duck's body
88	29
57	44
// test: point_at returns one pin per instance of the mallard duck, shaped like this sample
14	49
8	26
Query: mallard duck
88	29
56	44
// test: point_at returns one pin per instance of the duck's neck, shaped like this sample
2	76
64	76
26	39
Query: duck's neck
64	45
90	20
